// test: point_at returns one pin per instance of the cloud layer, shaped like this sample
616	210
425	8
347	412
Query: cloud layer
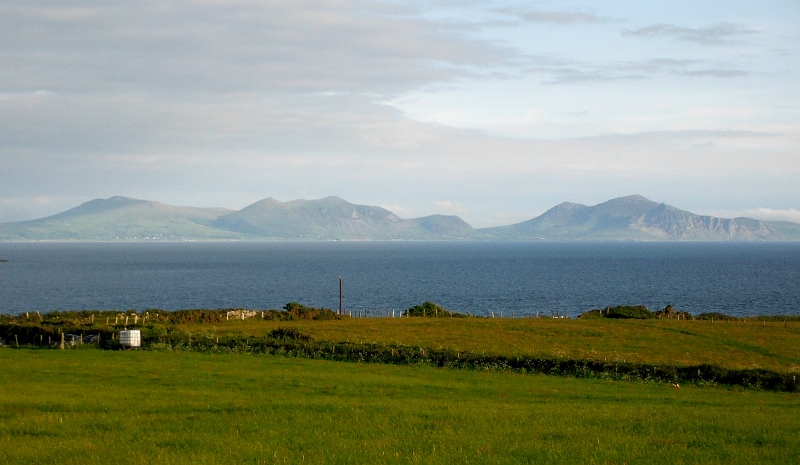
715	34
490	112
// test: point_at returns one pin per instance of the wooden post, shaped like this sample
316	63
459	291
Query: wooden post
62	342
16	339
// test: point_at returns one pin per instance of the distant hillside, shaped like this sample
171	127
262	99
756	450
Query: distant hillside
333	218
121	218
637	218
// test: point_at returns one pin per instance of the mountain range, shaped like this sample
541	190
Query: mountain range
332	218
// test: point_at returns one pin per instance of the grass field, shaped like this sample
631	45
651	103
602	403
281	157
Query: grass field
731	344
91	406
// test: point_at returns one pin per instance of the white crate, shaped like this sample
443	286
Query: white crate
130	338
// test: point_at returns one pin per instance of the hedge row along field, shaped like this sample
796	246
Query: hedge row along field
162	333
298	345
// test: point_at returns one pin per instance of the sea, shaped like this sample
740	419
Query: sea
509	279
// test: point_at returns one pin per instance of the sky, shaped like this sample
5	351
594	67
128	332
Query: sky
493	111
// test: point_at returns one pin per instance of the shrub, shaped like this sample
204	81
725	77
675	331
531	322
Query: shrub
669	313
301	312
714	316
432	310
636	312
591	315
289	333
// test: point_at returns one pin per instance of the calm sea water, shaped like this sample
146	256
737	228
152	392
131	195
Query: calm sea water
480	278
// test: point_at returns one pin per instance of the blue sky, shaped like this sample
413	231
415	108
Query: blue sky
494	112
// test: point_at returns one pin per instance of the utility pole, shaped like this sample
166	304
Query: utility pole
340	295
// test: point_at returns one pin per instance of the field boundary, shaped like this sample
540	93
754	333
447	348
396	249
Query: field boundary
292	343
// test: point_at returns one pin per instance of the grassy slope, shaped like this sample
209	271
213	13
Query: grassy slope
733	345
87	406
141	220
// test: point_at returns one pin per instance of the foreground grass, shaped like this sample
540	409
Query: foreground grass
84	406
733	345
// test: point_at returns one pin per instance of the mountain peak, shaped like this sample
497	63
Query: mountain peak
625	206
101	205
629	200
120	199
632	217
634	198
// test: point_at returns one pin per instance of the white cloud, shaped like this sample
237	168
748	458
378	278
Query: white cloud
208	47
715	34
453	208
563	17
400	211
760	213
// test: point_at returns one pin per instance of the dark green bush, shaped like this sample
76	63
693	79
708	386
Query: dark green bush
591	315
288	333
299	311
432	310
636	312
714	316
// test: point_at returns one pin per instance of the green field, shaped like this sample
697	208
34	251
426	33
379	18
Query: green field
92	406
743	344
192	405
